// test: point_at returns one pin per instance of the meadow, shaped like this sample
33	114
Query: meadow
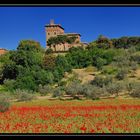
76	116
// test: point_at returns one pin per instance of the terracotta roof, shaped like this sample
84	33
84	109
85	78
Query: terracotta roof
54	25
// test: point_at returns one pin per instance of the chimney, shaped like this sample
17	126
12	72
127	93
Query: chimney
51	22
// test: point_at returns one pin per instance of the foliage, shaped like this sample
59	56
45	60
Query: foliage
129	86
44	90
114	88
48	51
49	61
135	92
125	42
100	62
79	58
122	73
136	57
92	92
61	39
29	45
30	66
27	82
101	81
109	70
9	70
74	89
104	42
24	95
9	84
5	57
62	62
4	103
57	92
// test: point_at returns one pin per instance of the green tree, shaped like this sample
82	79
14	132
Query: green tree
63	63
49	62
29	45
10	70
104	42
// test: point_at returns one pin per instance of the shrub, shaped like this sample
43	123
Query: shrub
4	103
24	95
114	88
92	92
49	51
122	60
101	81
26	82
29	45
136	57
44	90
133	66
49	62
74	88
129	86
62	83
57	92
100	62
9	84
121	74
109	70
135	92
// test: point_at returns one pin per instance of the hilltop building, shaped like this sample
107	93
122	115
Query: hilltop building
53	30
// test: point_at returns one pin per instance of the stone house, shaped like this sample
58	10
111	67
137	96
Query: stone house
53	30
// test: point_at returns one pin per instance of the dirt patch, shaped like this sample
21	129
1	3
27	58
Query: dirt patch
44	97
84	76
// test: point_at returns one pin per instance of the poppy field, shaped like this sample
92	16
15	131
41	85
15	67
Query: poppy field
100	116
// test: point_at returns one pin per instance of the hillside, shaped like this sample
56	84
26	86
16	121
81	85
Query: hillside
105	68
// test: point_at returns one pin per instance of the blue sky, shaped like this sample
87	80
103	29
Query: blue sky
19	23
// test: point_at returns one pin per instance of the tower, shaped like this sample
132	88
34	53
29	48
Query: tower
53	30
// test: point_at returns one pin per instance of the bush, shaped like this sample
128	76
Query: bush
4	103
24	95
129	86
49	62
57	92
114	88
109	70
62	83
44	90
134	66
92	92
9	84
136	57
121	74
101	81
26	82
135	91
122	60
100	62
74	88
49	51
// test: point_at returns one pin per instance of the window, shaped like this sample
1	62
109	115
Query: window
48	33
55	33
